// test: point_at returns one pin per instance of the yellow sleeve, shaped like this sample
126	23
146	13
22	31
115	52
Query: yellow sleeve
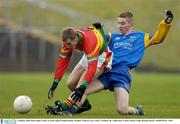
159	36
110	37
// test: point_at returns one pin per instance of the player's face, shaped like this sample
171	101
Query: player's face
71	44
124	25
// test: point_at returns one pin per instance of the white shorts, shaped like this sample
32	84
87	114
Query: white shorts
104	60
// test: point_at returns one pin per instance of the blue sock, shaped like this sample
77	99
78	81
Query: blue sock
73	109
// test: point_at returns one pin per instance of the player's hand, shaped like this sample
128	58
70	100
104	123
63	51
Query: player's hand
97	25
51	90
78	93
168	16
50	94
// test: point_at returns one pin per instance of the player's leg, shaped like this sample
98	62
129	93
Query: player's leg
72	82
66	104
97	74
77	72
83	105
95	87
71	106
75	76
122	101
104	64
121	81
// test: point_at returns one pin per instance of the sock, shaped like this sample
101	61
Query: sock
66	104
73	109
136	111
86	102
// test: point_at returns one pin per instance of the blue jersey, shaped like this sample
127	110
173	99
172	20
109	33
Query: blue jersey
128	49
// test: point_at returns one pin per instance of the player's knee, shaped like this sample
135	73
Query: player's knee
71	85
122	110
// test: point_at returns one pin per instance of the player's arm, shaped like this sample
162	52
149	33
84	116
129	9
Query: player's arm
62	63
108	37
161	32
91	70
94	51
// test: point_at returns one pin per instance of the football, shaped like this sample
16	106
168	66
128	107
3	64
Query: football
22	104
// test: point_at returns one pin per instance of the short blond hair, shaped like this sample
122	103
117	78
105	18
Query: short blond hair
127	15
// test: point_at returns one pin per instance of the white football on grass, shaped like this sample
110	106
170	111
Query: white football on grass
22	104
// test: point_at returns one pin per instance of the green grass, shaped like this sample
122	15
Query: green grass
158	93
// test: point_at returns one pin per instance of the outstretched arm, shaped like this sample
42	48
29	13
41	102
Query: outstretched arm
62	63
161	32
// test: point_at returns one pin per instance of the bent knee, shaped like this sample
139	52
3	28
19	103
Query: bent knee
71	85
122	110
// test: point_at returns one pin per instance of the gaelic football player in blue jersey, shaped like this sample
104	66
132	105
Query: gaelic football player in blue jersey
128	48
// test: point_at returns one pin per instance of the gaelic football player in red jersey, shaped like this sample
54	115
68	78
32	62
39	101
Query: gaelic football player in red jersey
92	42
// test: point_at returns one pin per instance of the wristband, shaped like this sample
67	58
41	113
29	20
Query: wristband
85	83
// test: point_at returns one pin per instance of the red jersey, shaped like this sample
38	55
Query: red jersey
92	44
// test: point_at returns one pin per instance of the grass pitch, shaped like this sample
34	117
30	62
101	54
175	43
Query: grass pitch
158	93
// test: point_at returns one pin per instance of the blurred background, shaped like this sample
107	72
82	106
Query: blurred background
30	30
